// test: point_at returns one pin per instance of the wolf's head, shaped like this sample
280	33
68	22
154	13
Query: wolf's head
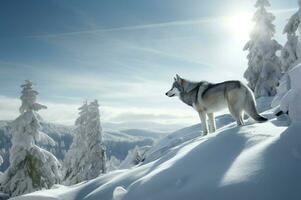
177	87
181	85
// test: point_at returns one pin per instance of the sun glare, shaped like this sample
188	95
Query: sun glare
239	25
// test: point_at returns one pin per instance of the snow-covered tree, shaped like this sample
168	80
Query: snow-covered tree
112	164
86	158
74	158
31	168
290	102
134	157
97	154
294	21
28	98
283	87
264	66
291	53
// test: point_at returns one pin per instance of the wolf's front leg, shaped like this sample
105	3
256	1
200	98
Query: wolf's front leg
212	125
203	117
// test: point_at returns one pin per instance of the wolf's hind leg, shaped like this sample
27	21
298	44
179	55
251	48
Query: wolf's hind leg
241	118
203	118
236	114
212	125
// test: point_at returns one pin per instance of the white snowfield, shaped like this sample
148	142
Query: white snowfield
256	161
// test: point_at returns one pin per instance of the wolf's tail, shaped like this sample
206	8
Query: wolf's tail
250	107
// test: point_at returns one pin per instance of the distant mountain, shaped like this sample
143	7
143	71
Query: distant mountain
144	125
145	133
118	143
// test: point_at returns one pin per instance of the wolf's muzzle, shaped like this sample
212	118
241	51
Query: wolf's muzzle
169	94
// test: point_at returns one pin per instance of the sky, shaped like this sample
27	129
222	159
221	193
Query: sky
123	53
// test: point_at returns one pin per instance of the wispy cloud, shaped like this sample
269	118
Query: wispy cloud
173	56
15	64
150	26
129	28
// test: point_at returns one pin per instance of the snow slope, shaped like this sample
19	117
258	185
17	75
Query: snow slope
179	137
256	161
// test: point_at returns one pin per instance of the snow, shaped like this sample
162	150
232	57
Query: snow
181	136
255	161
44	139
28	98
86	158
31	168
3	196
119	193
291	52
284	86
291	100
264	66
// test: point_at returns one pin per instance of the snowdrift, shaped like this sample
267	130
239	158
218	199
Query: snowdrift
256	161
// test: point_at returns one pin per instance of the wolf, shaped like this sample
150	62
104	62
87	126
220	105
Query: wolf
207	98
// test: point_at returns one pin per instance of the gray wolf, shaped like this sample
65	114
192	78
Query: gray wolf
207	98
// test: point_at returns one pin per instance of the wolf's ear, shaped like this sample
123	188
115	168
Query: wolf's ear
179	79
174	79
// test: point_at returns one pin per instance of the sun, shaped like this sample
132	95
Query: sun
239	25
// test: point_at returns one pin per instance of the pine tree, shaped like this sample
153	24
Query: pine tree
264	67
31	168
74	160
86	158
112	164
94	140
291	53
135	156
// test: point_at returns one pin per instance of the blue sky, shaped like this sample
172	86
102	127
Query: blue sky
123	53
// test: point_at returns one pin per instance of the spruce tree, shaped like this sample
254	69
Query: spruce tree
31	168
291	53
264	67
96	149
74	160
86	158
